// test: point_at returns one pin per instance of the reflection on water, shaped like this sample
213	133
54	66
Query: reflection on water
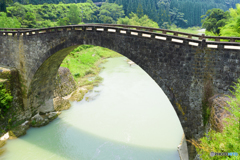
126	117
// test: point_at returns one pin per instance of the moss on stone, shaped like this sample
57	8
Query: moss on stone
2	143
180	108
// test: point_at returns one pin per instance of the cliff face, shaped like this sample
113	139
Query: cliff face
64	86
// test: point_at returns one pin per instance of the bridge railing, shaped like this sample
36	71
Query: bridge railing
176	33
146	32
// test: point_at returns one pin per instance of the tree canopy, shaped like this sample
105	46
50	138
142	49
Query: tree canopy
214	19
8	22
110	12
134	20
232	27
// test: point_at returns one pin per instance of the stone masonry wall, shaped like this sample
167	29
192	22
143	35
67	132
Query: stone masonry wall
16	113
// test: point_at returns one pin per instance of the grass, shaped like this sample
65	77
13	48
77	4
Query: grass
192	30
83	62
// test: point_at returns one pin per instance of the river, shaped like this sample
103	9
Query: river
126	117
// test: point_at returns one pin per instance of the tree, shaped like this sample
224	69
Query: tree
177	17
63	21
232	27
140	10
8	22
214	19
136	21
110	12
74	14
3	5
29	20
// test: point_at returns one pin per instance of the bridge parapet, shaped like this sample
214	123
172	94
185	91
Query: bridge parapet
145	32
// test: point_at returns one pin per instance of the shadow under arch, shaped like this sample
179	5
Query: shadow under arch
161	61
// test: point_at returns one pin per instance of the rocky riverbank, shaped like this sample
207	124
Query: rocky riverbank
66	90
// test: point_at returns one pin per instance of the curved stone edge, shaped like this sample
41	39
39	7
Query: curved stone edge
183	149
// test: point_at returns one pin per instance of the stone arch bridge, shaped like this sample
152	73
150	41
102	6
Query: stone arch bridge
185	66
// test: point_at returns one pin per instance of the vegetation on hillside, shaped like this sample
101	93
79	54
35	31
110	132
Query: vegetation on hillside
183	13
232	27
220	23
134	20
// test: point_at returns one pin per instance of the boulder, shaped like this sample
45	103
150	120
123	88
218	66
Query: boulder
78	94
61	104
47	107
51	116
38	121
19	130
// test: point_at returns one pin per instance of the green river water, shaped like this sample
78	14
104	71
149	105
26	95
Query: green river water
127	117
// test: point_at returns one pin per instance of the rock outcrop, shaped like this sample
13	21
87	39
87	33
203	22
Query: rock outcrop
42	120
19	130
65	83
61	104
218	111
64	86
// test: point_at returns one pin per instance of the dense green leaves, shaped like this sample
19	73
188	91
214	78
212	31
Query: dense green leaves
136	21
5	99
29	20
8	22
74	14
215	18
232	27
110	12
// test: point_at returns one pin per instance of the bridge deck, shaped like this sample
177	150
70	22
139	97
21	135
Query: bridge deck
147	32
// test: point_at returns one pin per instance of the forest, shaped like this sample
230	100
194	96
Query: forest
182	13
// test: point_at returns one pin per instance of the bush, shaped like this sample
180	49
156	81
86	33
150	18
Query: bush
5	99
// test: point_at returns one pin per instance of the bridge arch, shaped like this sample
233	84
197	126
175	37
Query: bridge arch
164	62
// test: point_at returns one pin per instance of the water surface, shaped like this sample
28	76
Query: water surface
127	117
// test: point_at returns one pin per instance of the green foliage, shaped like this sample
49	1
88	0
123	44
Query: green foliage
110	12
29	20
229	139
214	19
5	99
135	20
193	30
63	21
161	11
8	22
232	27
73	14
177	17
45	24
84	60
140	10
